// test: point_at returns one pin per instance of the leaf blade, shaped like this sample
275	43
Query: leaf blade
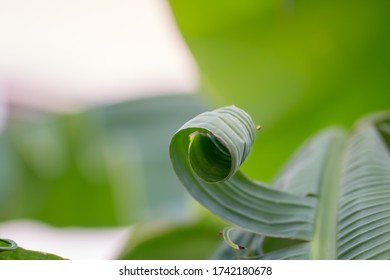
280	214
364	215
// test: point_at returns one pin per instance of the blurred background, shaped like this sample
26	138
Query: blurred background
92	91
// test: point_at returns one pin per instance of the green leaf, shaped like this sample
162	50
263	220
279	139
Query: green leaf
340	183
246	203
94	168
194	240
297	252
263	248
23	254
296	66
364	214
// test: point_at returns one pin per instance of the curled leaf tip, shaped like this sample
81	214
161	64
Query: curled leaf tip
218	143
226	236
206	154
209	157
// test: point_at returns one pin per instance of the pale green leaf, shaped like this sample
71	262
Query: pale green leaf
246	203
364	214
342	182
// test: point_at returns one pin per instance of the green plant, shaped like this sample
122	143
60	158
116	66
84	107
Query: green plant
103	167
10	251
282	61
331	200
97	173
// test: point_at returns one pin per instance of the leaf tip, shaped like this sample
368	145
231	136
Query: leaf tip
226	237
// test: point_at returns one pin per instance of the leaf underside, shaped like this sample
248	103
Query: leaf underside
248	204
364	213
330	201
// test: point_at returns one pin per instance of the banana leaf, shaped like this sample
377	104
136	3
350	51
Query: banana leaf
330	201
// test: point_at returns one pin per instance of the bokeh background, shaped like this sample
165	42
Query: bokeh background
92	91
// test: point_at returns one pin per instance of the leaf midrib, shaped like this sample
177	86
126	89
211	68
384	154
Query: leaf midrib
323	245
